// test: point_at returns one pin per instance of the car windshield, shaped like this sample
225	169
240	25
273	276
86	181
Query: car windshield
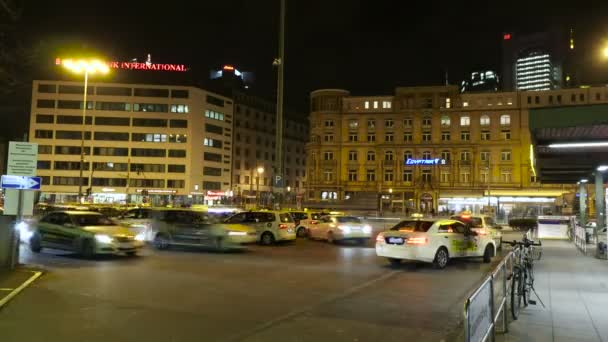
348	219
413	226
92	220
285	217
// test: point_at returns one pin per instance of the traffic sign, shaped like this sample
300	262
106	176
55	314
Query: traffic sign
21	182
22	158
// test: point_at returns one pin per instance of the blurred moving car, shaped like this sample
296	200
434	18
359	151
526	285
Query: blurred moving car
481	224
433	240
196	229
303	220
85	232
340	227
271	226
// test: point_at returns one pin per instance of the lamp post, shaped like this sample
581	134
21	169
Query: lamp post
86	67
260	171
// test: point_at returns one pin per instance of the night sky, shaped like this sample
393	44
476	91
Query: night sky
368	47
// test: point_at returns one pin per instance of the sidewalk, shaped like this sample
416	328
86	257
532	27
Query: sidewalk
13	282
574	288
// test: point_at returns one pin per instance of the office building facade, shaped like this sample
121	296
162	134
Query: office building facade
431	149
141	142
255	152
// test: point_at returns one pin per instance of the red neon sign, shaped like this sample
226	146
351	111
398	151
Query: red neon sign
147	66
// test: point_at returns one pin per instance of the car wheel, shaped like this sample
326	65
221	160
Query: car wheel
267	239
161	242
87	249
394	261
441	258
488	253
36	243
301	232
330	237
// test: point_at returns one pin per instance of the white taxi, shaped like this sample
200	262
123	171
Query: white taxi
433	240
340	227
481	224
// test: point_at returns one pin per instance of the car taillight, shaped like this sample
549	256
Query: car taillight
417	241
379	238
282	226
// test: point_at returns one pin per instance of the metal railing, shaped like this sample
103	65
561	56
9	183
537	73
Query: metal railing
580	238
488	303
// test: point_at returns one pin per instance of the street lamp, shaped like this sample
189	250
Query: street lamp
257	180
86	67
606	52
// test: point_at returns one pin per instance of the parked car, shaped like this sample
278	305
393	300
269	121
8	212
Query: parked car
339	228
303	220
433	241
271	226
85	232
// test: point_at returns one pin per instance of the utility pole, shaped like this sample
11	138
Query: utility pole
280	63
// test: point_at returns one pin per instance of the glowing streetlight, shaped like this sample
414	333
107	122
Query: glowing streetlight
390	191
605	52
260	171
86	67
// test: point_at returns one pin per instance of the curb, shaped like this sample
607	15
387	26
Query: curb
21	287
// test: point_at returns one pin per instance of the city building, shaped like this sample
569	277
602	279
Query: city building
432	149
537	61
480	81
255	151
141	142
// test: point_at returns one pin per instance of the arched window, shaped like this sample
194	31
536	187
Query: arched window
484	120
408	155
505	120
445	120
388	155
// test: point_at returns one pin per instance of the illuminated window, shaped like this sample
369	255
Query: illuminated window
386	104
353	124
214	115
445	120
179	108
484	120
375	104
465	120
366	104
505	120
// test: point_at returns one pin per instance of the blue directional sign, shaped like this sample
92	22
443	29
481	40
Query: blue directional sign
21	182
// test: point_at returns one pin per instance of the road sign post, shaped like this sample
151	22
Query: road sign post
21	171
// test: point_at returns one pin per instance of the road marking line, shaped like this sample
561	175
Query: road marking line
5	289
21	287
289	315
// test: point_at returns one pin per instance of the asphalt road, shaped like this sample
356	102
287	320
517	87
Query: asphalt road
306	291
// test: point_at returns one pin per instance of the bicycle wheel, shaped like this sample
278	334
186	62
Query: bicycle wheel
517	287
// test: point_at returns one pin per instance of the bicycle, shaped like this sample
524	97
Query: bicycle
522	278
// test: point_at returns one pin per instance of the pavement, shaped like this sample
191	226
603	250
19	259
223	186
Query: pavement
14	281
304	291
574	289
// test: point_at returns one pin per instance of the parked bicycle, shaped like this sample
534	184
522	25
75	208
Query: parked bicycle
522	278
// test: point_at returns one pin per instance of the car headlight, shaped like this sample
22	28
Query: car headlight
140	237
367	229
103	238
233	233
344	229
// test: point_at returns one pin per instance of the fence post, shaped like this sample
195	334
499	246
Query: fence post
505	322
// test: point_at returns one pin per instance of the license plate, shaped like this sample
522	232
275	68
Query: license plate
126	245
395	240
